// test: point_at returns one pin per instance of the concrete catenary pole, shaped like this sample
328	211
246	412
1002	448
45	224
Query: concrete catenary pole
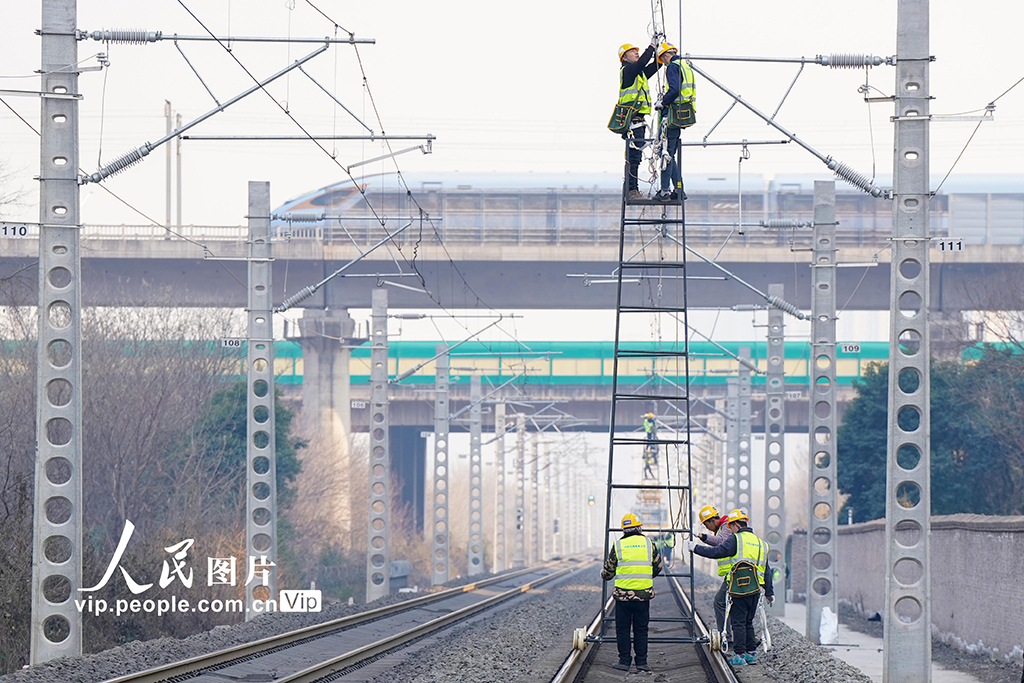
500	519
775	449
744	475
169	120
907	648
475	547
57	527
536	546
439	473
732	444
519	544
261	461
378	551
821	539
177	168
549	504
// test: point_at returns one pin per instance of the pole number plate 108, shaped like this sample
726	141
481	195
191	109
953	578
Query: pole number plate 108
231	343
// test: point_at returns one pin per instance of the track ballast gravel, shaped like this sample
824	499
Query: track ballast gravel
141	655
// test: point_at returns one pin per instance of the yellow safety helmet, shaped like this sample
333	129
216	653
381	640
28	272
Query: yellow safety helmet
630	521
650	415
624	48
666	47
707	512
738	514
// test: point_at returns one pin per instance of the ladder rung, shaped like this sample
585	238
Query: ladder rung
640	353
633	265
654	221
626	441
649	397
661	487
651	309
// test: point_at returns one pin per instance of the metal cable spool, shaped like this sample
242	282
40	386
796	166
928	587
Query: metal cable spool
849	60
784	305
303	216
127	36
853	177
119	164
782	223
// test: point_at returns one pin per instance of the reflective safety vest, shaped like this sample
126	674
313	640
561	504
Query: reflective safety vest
635	568
648	425
639	88
749	549
687	86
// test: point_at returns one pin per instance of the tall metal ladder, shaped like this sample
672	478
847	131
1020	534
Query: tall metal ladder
653	225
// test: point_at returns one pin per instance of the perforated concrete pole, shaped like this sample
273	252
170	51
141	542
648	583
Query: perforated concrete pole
439	547
536	546
378	554
907	649
821	541
500	519
261	460
745	428
732	444
774	530
549	505
519	543
475	563
57	526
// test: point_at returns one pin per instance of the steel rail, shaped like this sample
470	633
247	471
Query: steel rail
341	662
572	665
716	660
166	671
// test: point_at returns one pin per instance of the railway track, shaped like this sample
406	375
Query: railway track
335	647
590	661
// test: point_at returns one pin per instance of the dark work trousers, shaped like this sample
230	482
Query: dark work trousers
635	614
720	606
741	616
671	172
636	132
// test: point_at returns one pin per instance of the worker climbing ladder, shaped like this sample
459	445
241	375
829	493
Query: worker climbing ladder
652	461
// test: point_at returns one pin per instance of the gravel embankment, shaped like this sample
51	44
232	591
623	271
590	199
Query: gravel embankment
517	645
792	659
141	655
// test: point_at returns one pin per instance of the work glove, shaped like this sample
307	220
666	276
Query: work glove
658	105
690	545
703	537
771	600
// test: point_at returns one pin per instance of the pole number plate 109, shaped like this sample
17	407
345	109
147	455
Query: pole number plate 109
849	348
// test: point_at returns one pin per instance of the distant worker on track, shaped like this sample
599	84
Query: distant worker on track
633	562
681	92
743	559
634	70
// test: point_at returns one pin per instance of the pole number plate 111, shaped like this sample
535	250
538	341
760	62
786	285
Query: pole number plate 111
951	245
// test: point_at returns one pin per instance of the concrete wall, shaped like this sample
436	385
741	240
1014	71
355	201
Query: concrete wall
977	578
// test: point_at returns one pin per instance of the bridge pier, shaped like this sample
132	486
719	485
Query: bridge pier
325	421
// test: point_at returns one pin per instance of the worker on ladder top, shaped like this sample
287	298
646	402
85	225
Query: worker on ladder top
632	562
681	96
634	70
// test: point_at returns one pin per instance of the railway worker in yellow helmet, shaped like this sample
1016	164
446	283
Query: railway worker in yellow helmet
718	525
634	70
743	558
633	562
680	93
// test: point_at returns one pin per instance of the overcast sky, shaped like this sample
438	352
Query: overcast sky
505	87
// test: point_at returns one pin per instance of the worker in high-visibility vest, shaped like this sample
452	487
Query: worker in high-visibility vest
718	525
679	86
634	70
633	562
744	555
